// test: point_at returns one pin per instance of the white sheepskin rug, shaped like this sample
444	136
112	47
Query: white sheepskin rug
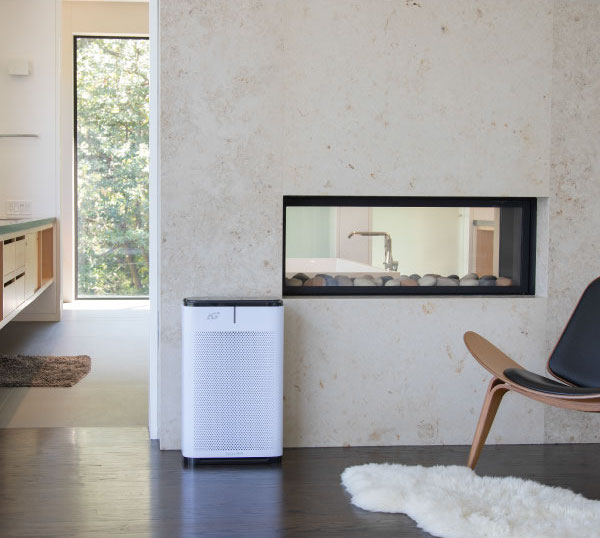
453	502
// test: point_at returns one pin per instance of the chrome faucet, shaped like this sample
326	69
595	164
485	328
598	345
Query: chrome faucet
389	264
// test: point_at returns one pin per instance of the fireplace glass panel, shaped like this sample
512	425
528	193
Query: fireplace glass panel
381	249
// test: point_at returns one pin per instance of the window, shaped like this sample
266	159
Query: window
111	166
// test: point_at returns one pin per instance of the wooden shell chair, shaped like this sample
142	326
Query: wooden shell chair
575	362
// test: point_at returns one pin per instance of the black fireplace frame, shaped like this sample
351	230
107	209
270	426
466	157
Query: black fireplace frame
528	244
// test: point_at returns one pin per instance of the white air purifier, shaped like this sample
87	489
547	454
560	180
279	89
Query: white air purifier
232	380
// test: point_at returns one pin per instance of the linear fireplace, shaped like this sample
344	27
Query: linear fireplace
348	245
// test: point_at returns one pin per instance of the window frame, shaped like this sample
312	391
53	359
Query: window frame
75	262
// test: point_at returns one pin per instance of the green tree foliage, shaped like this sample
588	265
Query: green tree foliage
112	166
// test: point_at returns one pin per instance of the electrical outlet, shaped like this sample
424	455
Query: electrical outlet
25	207
18	207
12	207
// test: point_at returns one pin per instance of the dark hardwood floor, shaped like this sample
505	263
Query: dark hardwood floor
114	482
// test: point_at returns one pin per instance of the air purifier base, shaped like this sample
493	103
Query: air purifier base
197	462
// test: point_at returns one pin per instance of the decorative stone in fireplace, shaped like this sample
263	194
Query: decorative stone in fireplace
408	246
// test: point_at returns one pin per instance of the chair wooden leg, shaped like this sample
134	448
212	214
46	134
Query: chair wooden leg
496	390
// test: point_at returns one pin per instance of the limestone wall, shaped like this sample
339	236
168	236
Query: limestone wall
340	97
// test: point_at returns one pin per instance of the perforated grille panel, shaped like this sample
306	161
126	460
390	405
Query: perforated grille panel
236	393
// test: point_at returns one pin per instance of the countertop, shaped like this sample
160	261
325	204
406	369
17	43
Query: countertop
10	225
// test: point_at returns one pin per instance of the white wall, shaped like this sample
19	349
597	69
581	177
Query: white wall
29	167
85	18
424	240
429	98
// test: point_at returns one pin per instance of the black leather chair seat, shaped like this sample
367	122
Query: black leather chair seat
527	379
